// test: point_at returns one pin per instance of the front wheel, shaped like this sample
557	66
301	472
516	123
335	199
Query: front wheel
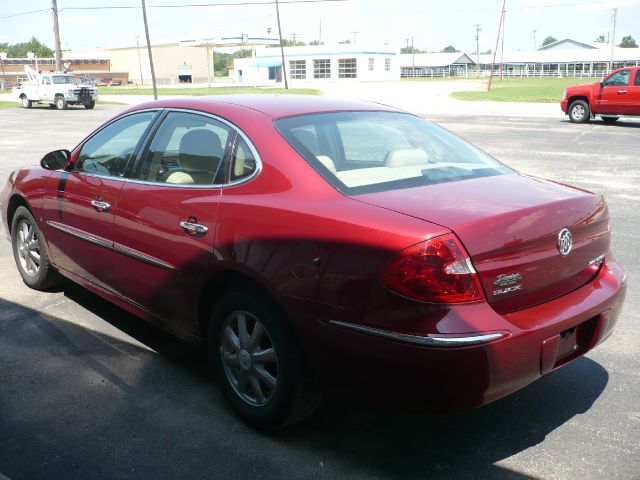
26	103
29	252
89	105
579	112
61	103
256	360
610	119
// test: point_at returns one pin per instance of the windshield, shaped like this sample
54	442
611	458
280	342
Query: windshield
62	79
362	152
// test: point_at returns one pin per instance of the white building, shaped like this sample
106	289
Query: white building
320	63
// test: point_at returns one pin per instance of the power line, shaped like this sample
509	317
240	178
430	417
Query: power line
188	5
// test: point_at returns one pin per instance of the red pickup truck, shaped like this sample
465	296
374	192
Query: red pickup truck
616	95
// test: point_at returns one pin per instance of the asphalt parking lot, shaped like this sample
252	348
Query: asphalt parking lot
89	391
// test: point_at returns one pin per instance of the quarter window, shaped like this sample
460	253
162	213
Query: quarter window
187	149
298	69
108	151
637	80
243	163
322	68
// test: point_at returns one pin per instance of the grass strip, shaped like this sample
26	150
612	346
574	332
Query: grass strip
205	91
539	90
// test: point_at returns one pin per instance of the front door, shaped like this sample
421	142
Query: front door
80	206
166	220
613	93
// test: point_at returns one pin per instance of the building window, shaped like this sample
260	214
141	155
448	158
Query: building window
371	63
387	64
347	68
322	68
297	69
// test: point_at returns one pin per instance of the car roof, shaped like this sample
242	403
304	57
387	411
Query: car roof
273	105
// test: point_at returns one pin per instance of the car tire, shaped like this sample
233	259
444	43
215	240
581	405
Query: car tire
257	363
610	119
61	103
90	105
29	251
26	103
579	112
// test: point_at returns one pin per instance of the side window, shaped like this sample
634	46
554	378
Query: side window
620	79
187	149
108	151
243	163
637	80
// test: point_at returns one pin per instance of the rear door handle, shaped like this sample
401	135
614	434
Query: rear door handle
100	205
192	228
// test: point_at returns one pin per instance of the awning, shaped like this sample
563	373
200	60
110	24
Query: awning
269	63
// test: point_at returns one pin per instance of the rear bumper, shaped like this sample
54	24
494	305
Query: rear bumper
533	342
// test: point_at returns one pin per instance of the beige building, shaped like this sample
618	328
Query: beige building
172	63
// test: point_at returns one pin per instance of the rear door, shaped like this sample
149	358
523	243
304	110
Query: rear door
166	220
79	206
632	97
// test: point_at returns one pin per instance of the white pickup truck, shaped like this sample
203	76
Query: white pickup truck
57	89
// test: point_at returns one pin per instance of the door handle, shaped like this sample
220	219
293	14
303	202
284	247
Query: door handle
192	228
622	92
100	205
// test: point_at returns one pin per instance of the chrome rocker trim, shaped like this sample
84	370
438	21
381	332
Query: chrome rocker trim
143	257
428	340
101	242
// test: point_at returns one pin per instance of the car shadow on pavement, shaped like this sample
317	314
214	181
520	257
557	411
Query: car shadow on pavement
129	401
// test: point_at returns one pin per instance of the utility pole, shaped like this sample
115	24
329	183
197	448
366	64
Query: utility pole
413	59
613	38
534	40
355	37
146	31
320	33
504	19
478	46
56	34
139	59
496	49
294	36
284	70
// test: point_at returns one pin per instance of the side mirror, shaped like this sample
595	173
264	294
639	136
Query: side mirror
56	160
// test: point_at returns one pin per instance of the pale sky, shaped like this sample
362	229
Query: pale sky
432	24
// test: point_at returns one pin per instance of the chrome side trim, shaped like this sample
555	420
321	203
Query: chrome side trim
81	234
130	252
429	340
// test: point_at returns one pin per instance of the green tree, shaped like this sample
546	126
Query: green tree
411	50
549	40
288	43
449	49
344	42
601	39
20	50
628	42
316	42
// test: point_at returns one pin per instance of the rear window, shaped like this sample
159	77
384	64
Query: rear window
363	152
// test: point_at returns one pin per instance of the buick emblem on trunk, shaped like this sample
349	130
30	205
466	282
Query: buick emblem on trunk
565	240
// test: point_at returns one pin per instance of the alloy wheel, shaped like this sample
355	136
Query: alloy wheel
28	248
249	358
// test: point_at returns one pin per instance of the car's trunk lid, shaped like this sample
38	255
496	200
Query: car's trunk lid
510	225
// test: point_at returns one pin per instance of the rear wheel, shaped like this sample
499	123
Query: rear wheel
26	103
61	103
579	112
29	252
257	362
610	119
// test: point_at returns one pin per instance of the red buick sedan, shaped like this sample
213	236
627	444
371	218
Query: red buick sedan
323	247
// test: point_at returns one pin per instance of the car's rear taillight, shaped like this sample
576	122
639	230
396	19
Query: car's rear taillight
437	270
